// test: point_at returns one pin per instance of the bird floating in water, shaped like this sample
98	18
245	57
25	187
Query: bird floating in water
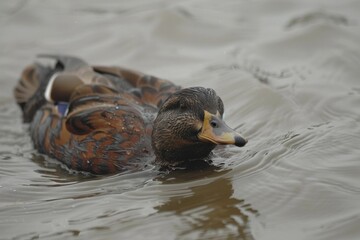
103	120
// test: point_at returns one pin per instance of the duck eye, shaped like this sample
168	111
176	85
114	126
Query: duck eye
213	124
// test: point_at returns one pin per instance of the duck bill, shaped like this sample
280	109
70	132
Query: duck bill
215	130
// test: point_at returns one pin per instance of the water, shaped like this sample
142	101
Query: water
288	73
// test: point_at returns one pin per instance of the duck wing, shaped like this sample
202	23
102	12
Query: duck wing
98	107
103	131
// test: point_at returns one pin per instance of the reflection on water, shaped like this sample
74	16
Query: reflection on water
288	73
211	211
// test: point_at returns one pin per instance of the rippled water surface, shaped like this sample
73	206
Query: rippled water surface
289	75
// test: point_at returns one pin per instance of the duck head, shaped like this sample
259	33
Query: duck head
189	125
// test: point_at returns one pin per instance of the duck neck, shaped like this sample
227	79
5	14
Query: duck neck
174	154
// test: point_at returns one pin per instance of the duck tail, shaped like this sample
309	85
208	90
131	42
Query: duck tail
30	89
66	63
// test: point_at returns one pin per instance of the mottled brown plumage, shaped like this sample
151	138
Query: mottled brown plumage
110	119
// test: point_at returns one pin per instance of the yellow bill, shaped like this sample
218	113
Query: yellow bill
215	130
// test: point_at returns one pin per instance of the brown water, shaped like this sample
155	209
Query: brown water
289	74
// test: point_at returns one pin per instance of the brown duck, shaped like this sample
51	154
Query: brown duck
111	119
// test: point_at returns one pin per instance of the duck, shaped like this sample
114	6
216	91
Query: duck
110	119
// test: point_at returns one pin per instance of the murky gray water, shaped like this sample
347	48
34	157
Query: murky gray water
289	74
